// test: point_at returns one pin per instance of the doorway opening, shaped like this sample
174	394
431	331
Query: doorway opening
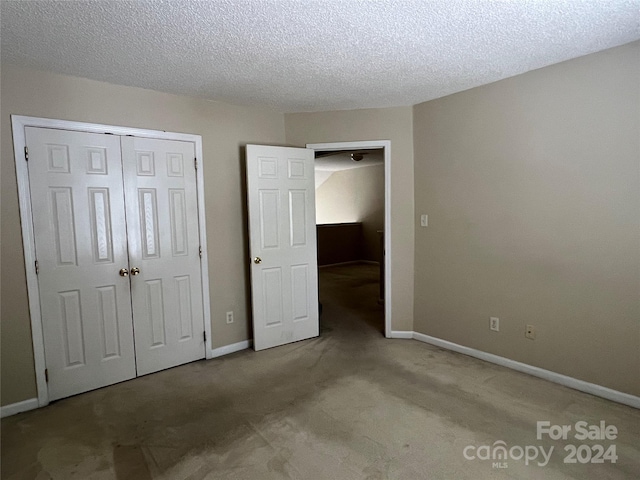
353	229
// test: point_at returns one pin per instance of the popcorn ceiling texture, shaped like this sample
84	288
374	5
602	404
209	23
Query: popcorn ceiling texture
298	56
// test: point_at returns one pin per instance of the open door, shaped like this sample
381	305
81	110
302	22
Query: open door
282	231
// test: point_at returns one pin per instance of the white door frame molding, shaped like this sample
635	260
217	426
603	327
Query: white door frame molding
386	146
18	124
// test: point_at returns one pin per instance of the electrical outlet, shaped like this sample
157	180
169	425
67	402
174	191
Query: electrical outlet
229	317
530	332
494	324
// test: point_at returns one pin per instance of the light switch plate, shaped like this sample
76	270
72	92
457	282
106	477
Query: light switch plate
424	220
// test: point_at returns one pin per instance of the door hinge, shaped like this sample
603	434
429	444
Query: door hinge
26	154
46	375
195	163
200	251
37	267
204	335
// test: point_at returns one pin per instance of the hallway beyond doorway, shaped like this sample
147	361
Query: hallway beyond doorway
349	296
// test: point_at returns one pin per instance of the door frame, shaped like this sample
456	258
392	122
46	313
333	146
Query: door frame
386	146
18	124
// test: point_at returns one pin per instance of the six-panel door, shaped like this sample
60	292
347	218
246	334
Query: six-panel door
119	266
160	189
282	230
80	232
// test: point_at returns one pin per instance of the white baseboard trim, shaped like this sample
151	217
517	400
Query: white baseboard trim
227	349
19	407
581	385
401	334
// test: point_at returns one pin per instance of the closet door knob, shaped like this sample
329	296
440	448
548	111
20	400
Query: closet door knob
135	271
124	272
257	260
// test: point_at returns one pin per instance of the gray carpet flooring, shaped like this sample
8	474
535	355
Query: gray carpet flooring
349	404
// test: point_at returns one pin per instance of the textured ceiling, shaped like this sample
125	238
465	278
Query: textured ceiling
310	55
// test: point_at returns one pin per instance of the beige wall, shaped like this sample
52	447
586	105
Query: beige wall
355	195
224	129
532	186
394	124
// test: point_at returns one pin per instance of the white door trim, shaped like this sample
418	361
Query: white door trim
18	124
386	145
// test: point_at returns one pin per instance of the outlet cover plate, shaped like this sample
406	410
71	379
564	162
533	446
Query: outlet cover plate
494	324
530	332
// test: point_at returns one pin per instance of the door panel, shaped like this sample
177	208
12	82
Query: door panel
161	202
79	225
281	198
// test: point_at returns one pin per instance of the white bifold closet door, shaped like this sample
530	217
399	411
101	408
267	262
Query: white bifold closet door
162	218
77	200
104	208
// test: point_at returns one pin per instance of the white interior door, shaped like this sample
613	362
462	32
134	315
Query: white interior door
80	235
282	230
161	200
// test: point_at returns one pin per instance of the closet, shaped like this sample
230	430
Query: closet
117	243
